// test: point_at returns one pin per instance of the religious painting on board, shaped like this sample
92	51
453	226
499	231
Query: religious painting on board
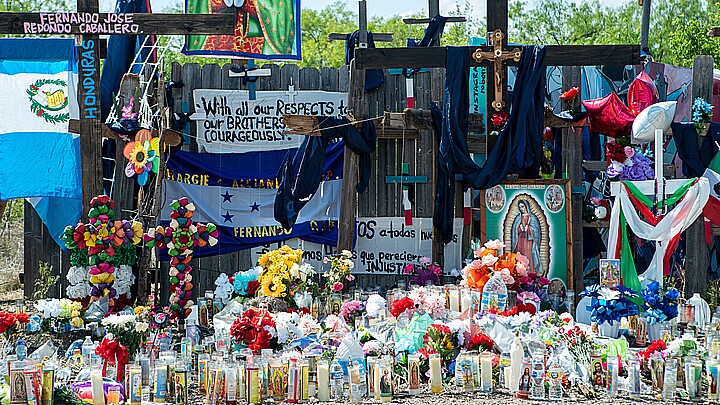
265	29
609	272
532	218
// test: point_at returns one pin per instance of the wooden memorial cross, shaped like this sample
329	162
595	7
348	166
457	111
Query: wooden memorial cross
88	24
362	30
659	188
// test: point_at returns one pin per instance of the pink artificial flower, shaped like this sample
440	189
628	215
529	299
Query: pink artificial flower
350	277
595	200
521	269
435	269
528	296
525	280
489	260
409	268
629	151
522	259
338	286
494	244
425	260
479	251
507	277
543	281
326	260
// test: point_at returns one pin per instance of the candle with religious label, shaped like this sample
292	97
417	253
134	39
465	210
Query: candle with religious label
48	383
435	373
414	374
633	376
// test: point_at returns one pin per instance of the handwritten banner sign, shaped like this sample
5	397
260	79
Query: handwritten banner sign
384	246
229	122
81	23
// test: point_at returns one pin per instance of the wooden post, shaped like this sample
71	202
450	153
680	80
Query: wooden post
645	24
89	102
348	202
497	18
572	164
696	259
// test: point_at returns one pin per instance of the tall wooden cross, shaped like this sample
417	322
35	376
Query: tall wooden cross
88	24
498	56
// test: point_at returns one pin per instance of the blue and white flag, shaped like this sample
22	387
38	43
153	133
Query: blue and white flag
38	155
236	191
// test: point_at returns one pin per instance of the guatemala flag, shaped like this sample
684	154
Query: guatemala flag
236	192
38	156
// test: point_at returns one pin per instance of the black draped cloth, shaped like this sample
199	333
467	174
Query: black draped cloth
300	174
695	158
518	148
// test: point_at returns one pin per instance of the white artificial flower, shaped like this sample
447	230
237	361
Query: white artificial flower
295	270
223	289
609	294
489	260
50	308
303	300
78	290
374	305
124	280
118	321
141	327
520	319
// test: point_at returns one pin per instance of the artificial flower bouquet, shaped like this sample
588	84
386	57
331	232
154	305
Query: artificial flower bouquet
351	310
476	273
660	306
62	311
629	163
341	266
128	330
424	273
245	284
255	329
702	112
284	274
610	304
9	322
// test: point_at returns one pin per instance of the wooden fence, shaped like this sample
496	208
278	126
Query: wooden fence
417	148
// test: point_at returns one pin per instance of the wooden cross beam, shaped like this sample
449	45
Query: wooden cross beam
89	23
362	29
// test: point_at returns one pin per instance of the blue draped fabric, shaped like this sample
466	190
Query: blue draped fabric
374	78
695	158
518	148
301	172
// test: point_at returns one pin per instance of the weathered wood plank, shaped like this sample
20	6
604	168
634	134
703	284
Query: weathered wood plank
192	79
696	261
309	79
289	76
572	160
555	55
107	23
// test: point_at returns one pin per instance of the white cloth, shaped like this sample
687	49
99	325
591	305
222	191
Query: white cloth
675	222
702	310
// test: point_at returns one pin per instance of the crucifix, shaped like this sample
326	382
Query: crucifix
87	24
497	58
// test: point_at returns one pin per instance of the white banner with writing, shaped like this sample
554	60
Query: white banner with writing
384	246
228	122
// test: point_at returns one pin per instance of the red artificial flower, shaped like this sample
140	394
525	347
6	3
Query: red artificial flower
250	328
656	346
426	351
548	135
23	317
500	118
482	341
529	308
401	305
615	152
253	287
570	94
441	328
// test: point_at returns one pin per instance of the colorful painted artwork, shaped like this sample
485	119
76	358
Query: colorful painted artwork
265	29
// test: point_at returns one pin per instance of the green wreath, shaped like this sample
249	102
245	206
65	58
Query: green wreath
43	111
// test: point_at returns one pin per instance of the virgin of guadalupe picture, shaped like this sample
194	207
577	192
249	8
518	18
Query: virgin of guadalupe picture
414	374
265	29
609	272
528	232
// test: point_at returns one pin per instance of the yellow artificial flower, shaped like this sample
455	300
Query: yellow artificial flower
76	322
137	232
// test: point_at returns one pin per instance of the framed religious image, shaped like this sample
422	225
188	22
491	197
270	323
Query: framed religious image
533	217
609	272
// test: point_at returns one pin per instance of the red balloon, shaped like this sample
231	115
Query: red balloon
609	116
642	93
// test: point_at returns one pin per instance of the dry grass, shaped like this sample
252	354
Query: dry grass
11	251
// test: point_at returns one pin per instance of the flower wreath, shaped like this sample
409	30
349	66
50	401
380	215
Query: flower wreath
101	245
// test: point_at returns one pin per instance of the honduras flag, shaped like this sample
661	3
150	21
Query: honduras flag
236	191
38	156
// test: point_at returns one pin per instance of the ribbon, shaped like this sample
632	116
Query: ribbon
112	350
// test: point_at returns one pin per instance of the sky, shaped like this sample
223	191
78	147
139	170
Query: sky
375	7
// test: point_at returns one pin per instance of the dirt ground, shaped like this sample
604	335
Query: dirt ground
11	251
